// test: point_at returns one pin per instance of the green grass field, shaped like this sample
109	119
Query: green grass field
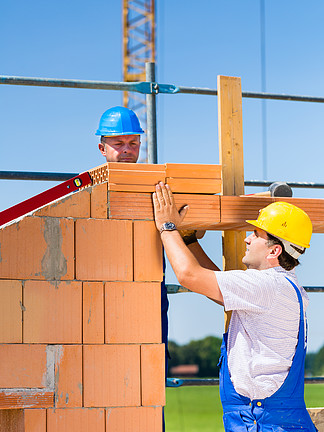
193	409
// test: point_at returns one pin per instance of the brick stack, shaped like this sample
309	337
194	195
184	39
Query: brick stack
80	320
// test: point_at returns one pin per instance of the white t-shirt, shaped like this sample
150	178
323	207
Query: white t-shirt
263	330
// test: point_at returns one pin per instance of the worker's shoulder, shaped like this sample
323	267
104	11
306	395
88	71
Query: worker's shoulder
251	277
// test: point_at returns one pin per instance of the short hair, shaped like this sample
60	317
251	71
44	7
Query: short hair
286	261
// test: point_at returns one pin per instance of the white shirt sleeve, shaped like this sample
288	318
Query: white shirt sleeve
248	290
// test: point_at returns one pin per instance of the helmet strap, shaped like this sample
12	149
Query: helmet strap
291	249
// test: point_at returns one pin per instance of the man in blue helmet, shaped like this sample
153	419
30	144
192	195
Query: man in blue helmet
120	130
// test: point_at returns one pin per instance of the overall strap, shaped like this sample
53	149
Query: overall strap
301	312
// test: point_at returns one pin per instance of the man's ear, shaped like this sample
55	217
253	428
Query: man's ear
102	149
275	251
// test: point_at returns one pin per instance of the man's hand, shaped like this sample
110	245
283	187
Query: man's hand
165	209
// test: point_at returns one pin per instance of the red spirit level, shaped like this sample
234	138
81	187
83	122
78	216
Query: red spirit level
45	197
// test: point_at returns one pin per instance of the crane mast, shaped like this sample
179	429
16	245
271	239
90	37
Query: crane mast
138	48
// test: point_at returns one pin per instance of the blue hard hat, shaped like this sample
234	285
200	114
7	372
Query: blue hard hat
119	121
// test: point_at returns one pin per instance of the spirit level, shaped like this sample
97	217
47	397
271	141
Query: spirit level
45	197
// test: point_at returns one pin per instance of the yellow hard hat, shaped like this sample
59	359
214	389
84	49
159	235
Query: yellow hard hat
285	221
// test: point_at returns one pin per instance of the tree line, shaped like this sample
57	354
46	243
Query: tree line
206	352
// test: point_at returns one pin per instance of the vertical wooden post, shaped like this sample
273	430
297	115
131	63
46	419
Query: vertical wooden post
230	133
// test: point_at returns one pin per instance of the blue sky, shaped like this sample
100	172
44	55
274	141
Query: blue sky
51	129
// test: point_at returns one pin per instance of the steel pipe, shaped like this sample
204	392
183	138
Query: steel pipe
179	382
40	176
144	87
151	134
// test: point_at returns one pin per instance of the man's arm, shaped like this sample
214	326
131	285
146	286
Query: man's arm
188	270
202	257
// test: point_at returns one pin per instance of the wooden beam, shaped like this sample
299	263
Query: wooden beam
230	134
210	212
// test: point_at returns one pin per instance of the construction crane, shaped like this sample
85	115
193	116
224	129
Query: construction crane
138	48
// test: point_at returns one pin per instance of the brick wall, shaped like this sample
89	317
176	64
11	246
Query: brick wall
80	320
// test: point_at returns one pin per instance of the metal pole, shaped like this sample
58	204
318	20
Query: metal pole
41	176
263	87
151	135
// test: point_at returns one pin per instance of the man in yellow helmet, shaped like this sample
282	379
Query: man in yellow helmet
263	352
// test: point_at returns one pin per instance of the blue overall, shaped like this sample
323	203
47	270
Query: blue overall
164	325
284	411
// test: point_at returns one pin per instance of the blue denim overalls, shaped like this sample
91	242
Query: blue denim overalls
164	325
284	411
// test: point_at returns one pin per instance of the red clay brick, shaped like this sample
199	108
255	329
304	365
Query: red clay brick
93	313
35	420
38	248
139	177
22	366
76	205
53	312
68	376
31	398
198	186
152	374
111	375
134	167
99	196
190	171
131	188
134	419
77	419
104	250
10	311
147	252
133	312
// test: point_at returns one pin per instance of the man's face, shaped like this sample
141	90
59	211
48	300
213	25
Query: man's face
257	250
122	148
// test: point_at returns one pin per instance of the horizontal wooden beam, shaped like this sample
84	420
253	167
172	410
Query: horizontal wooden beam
210	212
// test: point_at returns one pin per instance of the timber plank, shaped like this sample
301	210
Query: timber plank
211	212
236	209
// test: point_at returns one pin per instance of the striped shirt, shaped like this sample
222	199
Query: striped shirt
263	331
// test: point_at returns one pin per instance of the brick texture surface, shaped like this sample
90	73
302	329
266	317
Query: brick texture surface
147	249
99	198
104	250
93	313
53	312
35	420
79	420
134	419
38	248
111	375
10	311
68	376
80	312
152	374
76	205
22	366
133	312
